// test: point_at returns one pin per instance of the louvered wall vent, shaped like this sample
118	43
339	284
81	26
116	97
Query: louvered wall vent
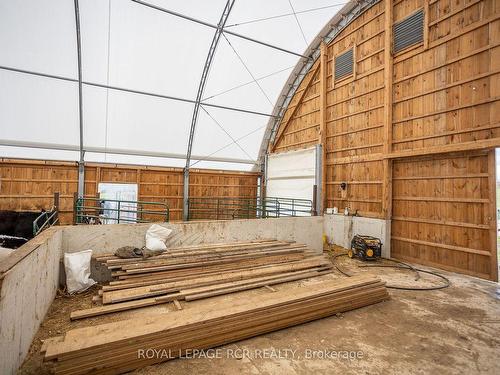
344	64
409	31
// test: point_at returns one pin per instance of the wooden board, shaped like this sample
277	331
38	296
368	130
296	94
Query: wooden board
113	347
202	271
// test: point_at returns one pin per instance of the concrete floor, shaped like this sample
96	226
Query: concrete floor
449	331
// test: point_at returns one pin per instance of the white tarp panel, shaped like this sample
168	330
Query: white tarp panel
128	45
291	174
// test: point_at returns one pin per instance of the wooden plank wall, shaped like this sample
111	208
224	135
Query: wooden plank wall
29	185
355	117
299	127
448	91
439	97
442	212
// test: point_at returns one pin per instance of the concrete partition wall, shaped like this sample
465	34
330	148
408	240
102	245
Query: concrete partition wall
107	238
29	277
341	229
28	284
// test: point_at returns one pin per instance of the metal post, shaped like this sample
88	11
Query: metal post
81	168
75	208
81	179
264	190
318	179
258	212
204	77
119	206
314	201
199	96
97	204
185	200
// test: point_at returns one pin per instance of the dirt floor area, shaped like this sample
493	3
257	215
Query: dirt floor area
447	331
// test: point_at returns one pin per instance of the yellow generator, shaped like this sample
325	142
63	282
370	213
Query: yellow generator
365	248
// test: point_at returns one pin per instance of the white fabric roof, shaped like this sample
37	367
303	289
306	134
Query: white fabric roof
129	45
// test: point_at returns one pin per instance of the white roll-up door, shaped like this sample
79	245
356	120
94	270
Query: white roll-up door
292	174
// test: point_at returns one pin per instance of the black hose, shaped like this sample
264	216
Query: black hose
399	264
417	275
446	284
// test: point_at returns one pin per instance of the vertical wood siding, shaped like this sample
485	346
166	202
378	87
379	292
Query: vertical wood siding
29	185
437	97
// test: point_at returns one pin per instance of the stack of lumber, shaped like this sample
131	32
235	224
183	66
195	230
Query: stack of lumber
117	347
194	272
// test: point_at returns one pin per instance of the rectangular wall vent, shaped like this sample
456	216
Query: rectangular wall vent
409	31
344	64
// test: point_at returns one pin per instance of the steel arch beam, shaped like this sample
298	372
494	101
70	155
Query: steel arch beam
132	91
199	97
81	167
195	20
119	151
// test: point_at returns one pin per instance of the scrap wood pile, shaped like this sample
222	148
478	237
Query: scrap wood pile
117	347
200	271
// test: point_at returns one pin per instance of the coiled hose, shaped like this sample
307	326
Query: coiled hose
398	264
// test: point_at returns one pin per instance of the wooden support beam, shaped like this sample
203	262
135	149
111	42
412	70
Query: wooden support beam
453	147
388	98
426	24
322	124
492	214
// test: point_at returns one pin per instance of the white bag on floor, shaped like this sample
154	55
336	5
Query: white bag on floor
77	267
156	236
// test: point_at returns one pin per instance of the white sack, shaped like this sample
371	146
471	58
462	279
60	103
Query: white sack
77	267
156	236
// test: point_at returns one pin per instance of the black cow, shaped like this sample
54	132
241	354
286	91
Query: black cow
18	225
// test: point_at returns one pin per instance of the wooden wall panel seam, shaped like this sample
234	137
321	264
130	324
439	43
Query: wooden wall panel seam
448	86
448	62
447	134
448	109
456	11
